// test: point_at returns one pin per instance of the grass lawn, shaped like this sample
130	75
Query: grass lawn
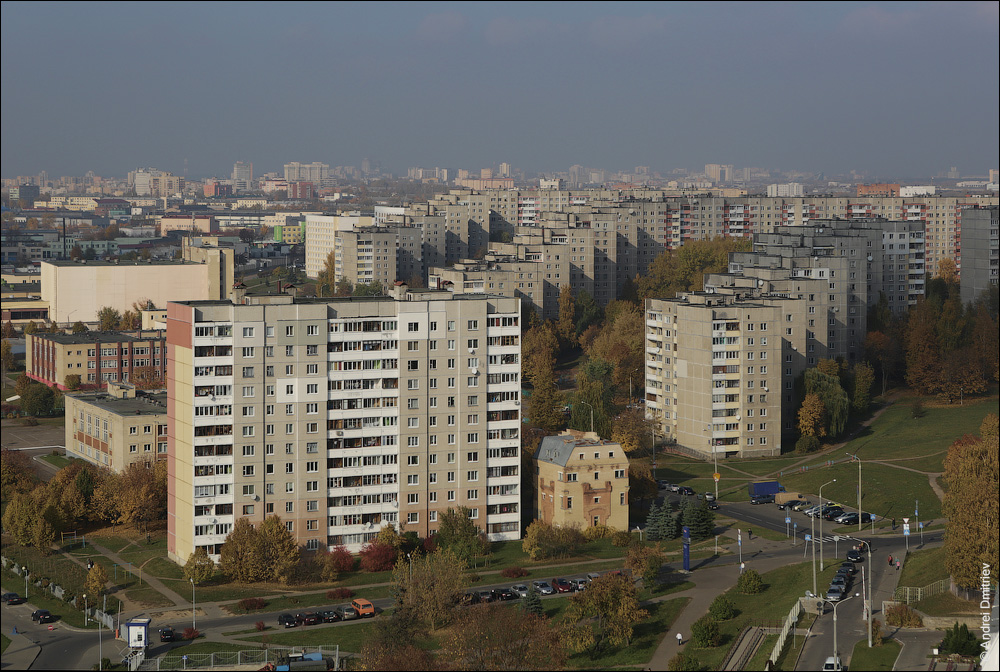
793	645
887	492
897	434
350	636
766	467
162	568
923	567
148	597
932	463
4	643
210	647
876	658
646	636
946	604
782	587
113	543
57	461
55	567
44	600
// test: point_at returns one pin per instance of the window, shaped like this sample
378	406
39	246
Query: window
473	325
248	470
413	498
472	494
247	332
289	330
413	517
472	475
412	326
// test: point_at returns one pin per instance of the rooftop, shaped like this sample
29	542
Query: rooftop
149	404
91	337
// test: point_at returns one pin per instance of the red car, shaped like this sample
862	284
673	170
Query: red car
562	585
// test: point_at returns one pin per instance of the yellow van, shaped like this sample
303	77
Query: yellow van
364	608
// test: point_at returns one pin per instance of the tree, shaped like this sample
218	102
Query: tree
38	400
79	327
566	326
546	402
76	253
542	540
30	327
241	557
199	566
947	270
614	601
147	378
108	319
705	632
430	586
6	356
368	289
377	557
698	518
389	645
96	583
8	330
923	353
343	288
961	374
884	351
645	561
494	637
533	602
812	420
750	582
864	378
683	269
835	402
588	311
280	551
140	493
459	534
633	431
72	381
43	535
971	503
595	410
19	517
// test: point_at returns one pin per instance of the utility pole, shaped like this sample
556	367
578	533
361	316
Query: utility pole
821	522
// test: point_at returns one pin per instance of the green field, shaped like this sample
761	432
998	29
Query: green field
923	567
4	643
57	461
946	604
349	636
876	658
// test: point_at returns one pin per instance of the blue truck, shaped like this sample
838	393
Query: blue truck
762	492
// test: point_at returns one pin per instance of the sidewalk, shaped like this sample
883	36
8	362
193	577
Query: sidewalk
21	653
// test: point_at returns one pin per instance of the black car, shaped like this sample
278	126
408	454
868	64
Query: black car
854	556
329	616
685	490
287	620
790	504
7	597
308	618
762	499
504	594
848	567
167	634
42	616
713	505
833	513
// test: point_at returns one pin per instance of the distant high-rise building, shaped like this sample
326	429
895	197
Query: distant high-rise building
787	190
315	172
366	166
980	251
242	176
504	170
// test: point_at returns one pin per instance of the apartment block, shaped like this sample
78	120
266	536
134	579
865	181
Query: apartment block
582	480
116	428
342	415
713	374
98	357
980	251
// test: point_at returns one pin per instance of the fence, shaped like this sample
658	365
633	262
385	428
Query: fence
787	626
909	595
230	659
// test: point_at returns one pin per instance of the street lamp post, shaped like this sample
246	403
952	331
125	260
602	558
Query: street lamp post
194	623
869	600
821	522
835	605
85	621
24	570
855	456
591	414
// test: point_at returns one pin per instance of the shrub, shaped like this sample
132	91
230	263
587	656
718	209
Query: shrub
30	421
959	640
513	572
621	538
251	603
430	544
191	633
705	633
342	559
750	582
722	608
339	593
918	409
901	616
377	557
683	663
598	532
876	632
807	444
260	626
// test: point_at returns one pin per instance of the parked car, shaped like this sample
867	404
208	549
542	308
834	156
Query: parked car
562	585
520	590
685	490
812	511
345	612
868	518
6	597
802	506
579	584
543	587
848	567
789	504
364	608
674	487
42	616
833	514
167	634
854	556
663	485
762	499
835	594
840	581
505	594
329	616
591	576
485	595
713	505
709	497
287	620
308	618
849	518
833	664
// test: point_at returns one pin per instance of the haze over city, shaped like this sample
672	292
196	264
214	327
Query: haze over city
893	90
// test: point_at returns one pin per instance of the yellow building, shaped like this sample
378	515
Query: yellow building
582	480
117	428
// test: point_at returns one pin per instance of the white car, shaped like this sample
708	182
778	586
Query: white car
520	590
840	519
812	511
833	664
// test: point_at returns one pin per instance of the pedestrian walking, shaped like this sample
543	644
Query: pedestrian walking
894	523
890	560
679	639
749	533
897	565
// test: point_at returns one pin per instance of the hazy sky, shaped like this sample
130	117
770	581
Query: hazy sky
896	89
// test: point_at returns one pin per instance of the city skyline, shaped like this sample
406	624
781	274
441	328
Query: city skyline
829	88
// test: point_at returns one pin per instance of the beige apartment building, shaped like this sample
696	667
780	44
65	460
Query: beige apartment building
98	357
582	480
116	428
342	415
76	291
